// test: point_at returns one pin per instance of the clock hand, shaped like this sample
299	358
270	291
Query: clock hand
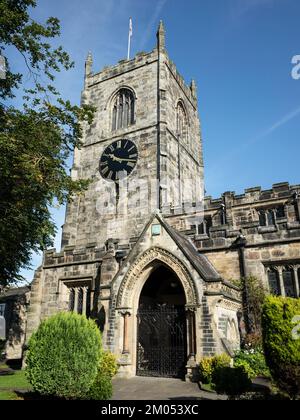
118	159
123	159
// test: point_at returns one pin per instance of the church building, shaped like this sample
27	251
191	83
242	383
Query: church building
143	251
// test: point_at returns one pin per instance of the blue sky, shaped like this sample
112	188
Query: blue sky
238	51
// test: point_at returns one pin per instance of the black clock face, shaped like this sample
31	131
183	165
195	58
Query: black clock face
118	160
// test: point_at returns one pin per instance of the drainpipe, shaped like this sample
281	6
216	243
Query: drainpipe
240	244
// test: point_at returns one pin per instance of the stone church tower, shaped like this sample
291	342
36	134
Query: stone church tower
160	304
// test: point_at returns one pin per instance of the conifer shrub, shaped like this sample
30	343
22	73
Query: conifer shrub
281	342
101	388
63	356
232	381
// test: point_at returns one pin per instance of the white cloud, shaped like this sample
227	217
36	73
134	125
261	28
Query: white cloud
153	22
239	8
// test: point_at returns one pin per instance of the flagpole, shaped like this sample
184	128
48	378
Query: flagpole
129	38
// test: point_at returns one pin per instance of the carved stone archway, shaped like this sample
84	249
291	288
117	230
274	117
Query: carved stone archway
127	302
128	285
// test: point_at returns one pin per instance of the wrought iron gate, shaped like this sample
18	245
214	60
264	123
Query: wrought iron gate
161	343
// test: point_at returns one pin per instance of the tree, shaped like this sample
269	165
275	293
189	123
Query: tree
63	356
35	141
281	342
254	294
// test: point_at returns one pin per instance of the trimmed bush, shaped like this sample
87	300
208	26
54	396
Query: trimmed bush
63	356
282	350
205	370
101	388
108	364
208	365
231	381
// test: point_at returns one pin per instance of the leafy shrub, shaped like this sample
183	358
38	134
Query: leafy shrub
282	351
231	381
205	369
246	366
254	362
208	365
108	364
221	360
63	356
101	388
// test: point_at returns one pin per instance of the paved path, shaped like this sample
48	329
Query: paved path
142	388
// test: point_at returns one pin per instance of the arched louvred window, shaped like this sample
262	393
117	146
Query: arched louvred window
288	282
274	285
123	109
182	125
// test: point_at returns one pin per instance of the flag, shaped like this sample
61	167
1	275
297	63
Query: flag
130	27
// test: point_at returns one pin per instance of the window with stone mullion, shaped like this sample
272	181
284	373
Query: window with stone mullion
288	281
274	284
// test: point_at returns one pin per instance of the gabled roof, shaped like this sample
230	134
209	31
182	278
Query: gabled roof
200	262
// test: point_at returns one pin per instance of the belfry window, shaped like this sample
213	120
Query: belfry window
123	109
181	122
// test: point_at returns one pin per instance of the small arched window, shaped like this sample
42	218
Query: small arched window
181	122
123	109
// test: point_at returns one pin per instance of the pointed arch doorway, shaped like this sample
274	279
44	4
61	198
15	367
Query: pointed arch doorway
161	326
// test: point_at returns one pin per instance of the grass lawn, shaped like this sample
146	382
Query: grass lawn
8	395
9	383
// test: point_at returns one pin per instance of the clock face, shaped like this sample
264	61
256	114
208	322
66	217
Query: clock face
118	160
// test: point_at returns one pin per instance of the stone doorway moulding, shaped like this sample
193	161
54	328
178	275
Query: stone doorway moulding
127	302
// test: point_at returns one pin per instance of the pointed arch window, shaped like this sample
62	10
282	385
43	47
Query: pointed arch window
123	109
182	125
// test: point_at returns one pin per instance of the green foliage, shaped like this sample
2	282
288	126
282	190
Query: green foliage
208	365
254	362
36	141
108	364
205	369
29	38
281	348
101	388
63	356
221	360
231	381
254	294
